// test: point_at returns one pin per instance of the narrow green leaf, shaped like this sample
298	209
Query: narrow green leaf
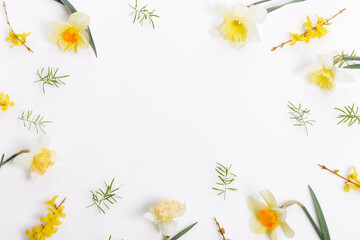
270	9
72	10
259	2
180	234
351	58
323	226
353	66
312	222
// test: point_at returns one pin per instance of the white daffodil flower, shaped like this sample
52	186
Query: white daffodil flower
268	217
163	213
38	160
325	74
239	24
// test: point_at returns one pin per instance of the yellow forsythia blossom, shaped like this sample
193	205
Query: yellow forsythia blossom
352	177
52	219
310	31
5	101
17	39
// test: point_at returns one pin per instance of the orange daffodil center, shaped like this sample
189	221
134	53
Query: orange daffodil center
325	74
239	24
38	160
268	217
69	36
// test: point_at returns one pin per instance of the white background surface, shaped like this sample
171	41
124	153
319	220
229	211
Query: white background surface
159	108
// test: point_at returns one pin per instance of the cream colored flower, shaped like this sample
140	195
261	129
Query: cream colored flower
72	34
268	217
163	214
38	160
239	24
325	74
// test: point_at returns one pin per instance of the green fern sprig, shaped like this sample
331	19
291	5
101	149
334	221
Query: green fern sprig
50	78
349	114
300	116
104	197
30	120
226	178
143	14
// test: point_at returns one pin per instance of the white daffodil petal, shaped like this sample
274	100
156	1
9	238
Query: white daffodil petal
326	60
344	77
180	212
255	205
257	14
34	176
256	226
238	44
287	230
240	10
281	213
269	198
79	20
311	69
222	10
46	142
273	235
253	35
56	159
36	148
327	92
151	217
168	228
215	32
24	160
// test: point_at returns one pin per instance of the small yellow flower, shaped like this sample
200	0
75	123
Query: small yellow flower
38	160
163	214
310	31
72	34
325	74
352	177
268	217
239	24
5	102
17	39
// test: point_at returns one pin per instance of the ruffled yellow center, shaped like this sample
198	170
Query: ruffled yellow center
42	161
268	218
166	210
71	35
234	29
324	78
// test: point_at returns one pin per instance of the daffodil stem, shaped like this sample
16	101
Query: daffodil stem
290	203
166	237
333	172
3	162
8	23
350	58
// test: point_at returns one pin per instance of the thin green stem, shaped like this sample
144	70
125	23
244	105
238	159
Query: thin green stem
2	162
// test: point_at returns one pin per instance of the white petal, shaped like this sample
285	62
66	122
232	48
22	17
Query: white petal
269	198
281	213
240	10
344	77
287	230
273	235
327	92
151	217
56	159
180	212
79	20
256	226
253	35
222	10
34	176
238	44
311	69
326	60
46	142
24	160
36	148
257	14
168	228
215	32
255	205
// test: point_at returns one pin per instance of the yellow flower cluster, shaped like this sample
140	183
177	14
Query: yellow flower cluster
5	101
352	177
310	31
49	223
17	39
